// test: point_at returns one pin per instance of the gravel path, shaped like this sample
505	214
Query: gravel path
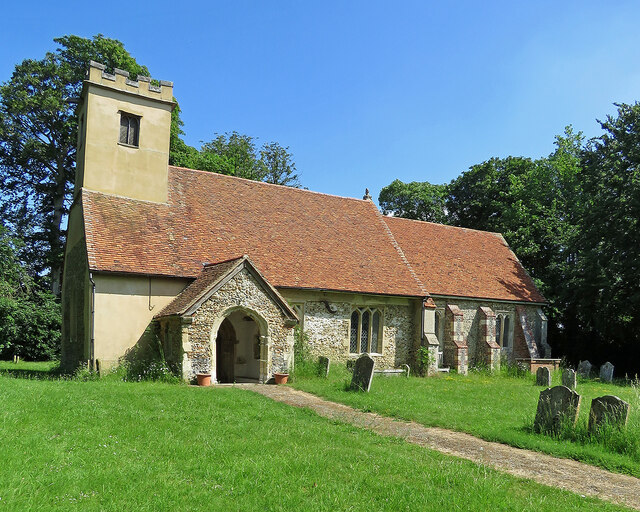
563	473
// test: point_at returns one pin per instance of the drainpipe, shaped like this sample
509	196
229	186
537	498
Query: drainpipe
92	320
422	321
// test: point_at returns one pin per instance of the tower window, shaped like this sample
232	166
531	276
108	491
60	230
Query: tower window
129	129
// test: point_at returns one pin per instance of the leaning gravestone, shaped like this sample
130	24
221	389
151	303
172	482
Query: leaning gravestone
609	410
543	377
555	406
323	366
569	378
606	372
584	369
362	373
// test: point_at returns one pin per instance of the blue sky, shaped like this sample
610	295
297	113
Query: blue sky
364	92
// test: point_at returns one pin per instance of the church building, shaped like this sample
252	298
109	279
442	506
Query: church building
219	270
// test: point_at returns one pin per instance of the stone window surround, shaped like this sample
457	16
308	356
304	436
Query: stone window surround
372	310
501	316
132	136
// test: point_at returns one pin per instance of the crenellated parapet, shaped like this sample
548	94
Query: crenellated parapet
96	74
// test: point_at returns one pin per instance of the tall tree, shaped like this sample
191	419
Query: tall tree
38	132
29	316
415	200
606	279
277	166
235	154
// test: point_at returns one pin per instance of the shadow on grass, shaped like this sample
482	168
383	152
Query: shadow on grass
33	373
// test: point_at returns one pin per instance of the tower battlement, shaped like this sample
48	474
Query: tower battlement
96	74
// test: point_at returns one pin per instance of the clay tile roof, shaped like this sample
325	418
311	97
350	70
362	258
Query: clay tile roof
463	262
214	276
296	238
209	276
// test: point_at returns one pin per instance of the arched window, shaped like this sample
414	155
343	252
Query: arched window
365	333
503	329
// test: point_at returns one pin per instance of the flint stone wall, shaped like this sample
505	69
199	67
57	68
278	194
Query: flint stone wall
329	332
471	324
241	291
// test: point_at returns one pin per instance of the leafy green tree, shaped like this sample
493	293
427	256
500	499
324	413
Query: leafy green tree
606	280
235	154
29	316
277	166
38	132
415	200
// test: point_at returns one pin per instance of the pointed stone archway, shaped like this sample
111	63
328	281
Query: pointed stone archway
239	346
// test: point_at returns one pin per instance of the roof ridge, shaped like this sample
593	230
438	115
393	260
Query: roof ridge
399	250
444	225
304	190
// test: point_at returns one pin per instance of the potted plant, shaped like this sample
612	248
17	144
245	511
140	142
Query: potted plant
281	378
204	379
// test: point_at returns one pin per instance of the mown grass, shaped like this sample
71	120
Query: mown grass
111	445
494	407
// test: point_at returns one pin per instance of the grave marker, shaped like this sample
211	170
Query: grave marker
606	372
569	378
362	373
555	406
543	377
608	409
584	369
323	366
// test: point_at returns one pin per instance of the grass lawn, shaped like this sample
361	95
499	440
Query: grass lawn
110	445
495	408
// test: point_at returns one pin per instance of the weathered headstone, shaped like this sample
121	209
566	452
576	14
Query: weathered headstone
569	378
584	369
606	372
555	406
543	377
362	373
609	410
323	366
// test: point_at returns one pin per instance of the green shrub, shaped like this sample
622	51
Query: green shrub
303	364
424	360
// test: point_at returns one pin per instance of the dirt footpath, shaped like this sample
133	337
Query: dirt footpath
563	473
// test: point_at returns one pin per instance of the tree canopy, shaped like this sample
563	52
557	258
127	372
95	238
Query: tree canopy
236	154
38	133
572	219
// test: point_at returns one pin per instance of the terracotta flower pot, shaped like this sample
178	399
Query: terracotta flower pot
281	378
204	379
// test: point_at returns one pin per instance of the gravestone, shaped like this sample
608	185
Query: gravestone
584	369
569	378
543	377
608	409
555	406
323	366
362	373
606	372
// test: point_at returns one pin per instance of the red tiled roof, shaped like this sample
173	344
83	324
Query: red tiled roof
296	238
213	276
463	262
209	276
